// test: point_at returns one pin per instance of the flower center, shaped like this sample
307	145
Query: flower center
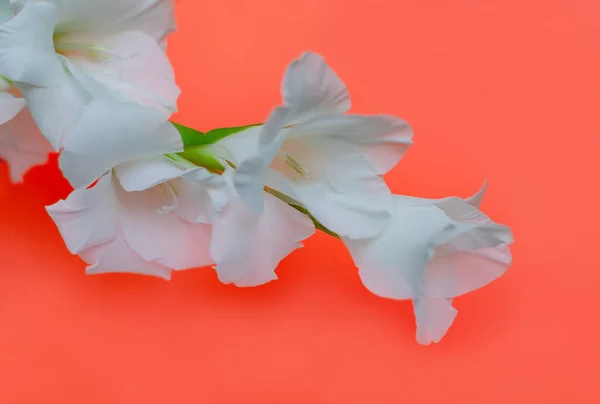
295	165
67	48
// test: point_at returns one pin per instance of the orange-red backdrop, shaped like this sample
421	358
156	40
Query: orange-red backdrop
506	90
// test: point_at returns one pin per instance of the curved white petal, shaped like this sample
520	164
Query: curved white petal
22	145
249	178
247	246
10	106
434	317
311	88
279	182
393	265
119	231
472	259
158	234
127	66
462	272
337	184
156	19
88	217
446	203
383	139
117	256
109	133
144	173
352	216
426	253
240	147
477	199
153	17
205	196
27	49
55	109
198	195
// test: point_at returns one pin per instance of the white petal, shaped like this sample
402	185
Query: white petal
10	106
22	145
156	19
88	217
153	17
144	173
434	317
205	196
311	88
277	181
240	147
425	253
462	272
155	231
393	265
473	258
109	133
383	139
200	195
247	246
249	178
92	222
476	199
55	109
337	185
27	57
130	67
27	49
355	217
117	256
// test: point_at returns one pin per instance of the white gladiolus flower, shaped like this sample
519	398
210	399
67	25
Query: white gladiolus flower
247	245
63	53
97	86
21	144
431	252
329	161
146	214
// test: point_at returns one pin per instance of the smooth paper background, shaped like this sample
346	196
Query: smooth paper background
506	90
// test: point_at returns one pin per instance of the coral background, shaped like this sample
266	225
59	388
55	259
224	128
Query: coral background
506	90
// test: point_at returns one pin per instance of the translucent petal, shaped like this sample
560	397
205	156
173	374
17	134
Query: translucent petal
247	246
97	144
311	88
22	145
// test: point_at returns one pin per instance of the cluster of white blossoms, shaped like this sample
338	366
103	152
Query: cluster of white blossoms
90	80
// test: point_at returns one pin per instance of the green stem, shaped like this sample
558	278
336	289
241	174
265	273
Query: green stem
298	206
198	154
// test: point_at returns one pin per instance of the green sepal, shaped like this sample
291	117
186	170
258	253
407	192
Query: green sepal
202	156
193	137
